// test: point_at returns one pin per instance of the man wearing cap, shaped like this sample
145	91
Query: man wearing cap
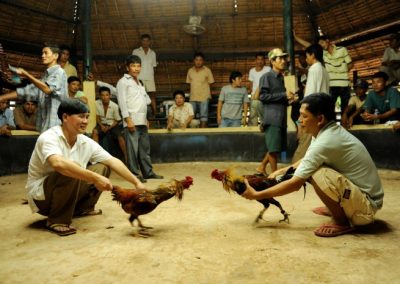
351	114
275	99
60	183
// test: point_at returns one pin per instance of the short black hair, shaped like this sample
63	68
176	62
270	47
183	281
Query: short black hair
322	37
198	54
261	54
179	92
104	89
132	59
55	48
317	50
73	79
70	107
65	47
320	104
143	36
381	74
234	75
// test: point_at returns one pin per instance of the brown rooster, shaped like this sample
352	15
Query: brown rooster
231	181
138	202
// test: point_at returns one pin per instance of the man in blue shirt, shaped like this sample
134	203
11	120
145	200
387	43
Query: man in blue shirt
6	119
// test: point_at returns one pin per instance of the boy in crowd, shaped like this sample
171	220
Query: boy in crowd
353	110
6	119
181	114
232	102
108	120
25	115
200	78
74	86
383	102
133	101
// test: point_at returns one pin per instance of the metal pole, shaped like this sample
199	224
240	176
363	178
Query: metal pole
288	35
86	36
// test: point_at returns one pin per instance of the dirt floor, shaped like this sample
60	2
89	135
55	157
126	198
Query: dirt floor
209	237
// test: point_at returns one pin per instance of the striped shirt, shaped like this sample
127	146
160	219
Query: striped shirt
337	66
46	114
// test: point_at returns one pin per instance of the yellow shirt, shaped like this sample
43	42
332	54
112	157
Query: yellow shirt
199	83
70	70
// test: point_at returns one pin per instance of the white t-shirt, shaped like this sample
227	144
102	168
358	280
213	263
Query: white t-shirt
254	76
317	80
53	142
148	63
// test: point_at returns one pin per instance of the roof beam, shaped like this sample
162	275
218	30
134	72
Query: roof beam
34	11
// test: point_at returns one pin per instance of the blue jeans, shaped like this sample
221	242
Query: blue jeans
227	122
202	108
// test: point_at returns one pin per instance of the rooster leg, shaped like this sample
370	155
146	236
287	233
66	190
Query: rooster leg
260	215
284	213
141	225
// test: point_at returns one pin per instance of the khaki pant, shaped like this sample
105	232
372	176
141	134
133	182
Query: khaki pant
354	202
66	196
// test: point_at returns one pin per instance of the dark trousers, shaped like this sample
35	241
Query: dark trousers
138	150
66	196
343	93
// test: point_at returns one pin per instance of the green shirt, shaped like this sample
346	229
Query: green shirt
390	100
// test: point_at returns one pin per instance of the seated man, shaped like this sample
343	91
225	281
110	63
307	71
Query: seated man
383	102
181	114
108	128
74	86
60	183
338	166
6	119
351	114
25	115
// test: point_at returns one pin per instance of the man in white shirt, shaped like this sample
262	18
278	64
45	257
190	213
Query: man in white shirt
149	62
255	73
60	183
133	101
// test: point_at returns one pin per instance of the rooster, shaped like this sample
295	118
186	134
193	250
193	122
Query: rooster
138	202
231	181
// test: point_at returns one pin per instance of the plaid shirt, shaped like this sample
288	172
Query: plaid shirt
46	114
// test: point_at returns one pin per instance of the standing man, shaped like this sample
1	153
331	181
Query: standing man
133	101
275	99
317	82
60	183
338	166
49	91
149	62
65	54
255	73
338	64
200	78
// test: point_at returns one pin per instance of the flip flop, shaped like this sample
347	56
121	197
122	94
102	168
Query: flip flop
332	230
324	211
90	213
53	228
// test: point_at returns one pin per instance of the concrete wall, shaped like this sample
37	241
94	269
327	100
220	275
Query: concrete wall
211	144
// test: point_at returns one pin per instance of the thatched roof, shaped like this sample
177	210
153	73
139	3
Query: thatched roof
231	36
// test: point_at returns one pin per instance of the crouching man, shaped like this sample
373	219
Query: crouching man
60	183
339	168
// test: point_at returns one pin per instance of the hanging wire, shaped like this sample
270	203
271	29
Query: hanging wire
235	7
75	16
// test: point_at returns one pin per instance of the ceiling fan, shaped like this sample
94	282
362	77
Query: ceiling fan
194	27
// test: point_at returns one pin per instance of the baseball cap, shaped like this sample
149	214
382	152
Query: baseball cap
361	84
276	52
